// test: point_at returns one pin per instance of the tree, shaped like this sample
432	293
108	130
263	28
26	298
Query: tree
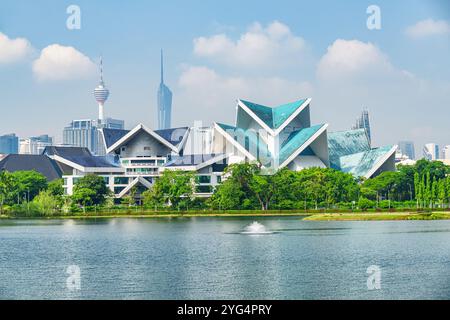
26	185
55	187
171	188
263	186
91	190
46	203
84	196
235	191
6	183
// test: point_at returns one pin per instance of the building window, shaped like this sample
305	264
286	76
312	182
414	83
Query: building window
203	189
147	148
123	149
219	179
118	189
204	179
120	180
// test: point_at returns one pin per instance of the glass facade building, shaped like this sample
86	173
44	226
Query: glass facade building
9	144
407	148
86	133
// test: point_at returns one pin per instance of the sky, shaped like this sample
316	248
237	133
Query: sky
268	52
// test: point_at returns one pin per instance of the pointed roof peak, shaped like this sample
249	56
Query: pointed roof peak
274	117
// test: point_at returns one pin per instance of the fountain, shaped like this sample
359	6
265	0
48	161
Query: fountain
256	228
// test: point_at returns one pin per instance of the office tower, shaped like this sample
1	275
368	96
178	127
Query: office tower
35	145
431	151
9	144
85	133
363	122
407	149
164	102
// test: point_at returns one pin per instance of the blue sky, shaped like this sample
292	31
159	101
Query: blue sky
321	49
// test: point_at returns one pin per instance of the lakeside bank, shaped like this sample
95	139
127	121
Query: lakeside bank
307	216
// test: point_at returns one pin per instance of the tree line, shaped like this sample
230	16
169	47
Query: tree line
244	187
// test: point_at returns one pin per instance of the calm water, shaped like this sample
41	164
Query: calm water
207	258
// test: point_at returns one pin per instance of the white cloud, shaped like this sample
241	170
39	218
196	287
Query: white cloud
274	45
428	27
12	50
58	62
350	58
207	90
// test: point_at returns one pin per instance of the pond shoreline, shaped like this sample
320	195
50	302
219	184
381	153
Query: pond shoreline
354	216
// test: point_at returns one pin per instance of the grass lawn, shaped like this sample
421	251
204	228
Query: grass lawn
378	216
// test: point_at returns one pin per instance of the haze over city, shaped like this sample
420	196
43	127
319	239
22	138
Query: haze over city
225	51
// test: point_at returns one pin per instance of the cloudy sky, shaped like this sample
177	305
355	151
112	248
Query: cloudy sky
217	51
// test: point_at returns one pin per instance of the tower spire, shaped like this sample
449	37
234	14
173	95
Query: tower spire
162	67
101	69
101	93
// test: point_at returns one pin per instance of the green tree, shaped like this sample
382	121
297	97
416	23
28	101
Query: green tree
84	196
171	188
93	183
56	188
235	191
6	183
46	203
26	185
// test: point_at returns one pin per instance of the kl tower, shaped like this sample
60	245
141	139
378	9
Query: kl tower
101	94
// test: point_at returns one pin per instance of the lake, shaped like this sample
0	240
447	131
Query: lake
208	258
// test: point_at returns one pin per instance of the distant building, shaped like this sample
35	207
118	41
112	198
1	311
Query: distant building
35	145
363	122
446	152
9	144
431	151
407	149
164	102
85	133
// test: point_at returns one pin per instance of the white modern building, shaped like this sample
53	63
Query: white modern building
275	137
431	151
34	145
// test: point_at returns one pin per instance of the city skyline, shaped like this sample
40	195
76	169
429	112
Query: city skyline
210	65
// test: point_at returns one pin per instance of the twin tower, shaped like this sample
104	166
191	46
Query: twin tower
164	100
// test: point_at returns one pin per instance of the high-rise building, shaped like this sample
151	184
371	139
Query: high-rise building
164	102
446	152
35	145
9	144
363	122
86	133
407	149
431	151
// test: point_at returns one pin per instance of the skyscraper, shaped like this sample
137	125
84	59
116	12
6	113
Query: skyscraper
431	151
407	148
363	122
9	143
164	102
